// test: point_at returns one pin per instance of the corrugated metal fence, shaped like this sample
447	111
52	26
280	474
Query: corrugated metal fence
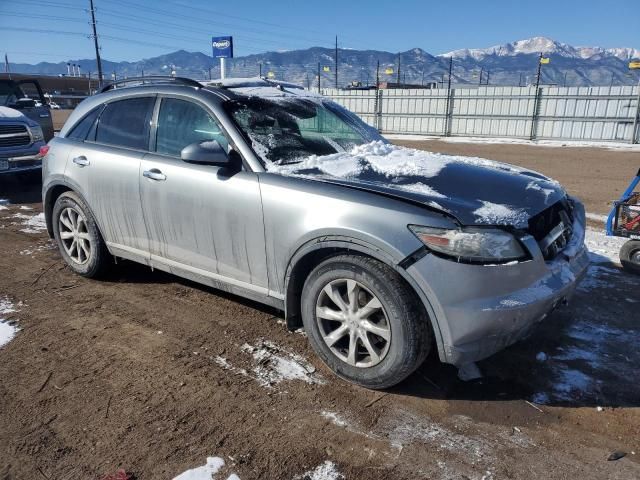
553	113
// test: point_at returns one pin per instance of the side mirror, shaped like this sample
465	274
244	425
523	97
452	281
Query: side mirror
209	153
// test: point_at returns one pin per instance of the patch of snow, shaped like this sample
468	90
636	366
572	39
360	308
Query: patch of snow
541	357
274	364
596	217
421	188
547	192
334	418
497	214
24	207
206	472
387	159
30	251
518	141
6	112
411	428
2	207
33	223
8	329
603	249
325	471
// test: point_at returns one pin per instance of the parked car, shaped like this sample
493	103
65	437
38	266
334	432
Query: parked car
26	96
20	142
270	192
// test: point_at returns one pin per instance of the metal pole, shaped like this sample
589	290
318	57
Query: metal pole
398	79
481	72
422	81
95	43
378	75
223	67
488	74
260	69
318	77
448	112
536	99
634	130
336	72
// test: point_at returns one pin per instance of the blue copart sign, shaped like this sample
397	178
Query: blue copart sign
222	47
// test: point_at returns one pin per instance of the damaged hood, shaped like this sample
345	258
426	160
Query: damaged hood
474	190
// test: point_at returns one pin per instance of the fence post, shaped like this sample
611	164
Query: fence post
635	131
534	115
378	109
449	117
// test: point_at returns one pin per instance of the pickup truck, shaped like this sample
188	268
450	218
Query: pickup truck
20	141
25	126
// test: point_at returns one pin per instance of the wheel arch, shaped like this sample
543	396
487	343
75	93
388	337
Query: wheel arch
312	253
52	193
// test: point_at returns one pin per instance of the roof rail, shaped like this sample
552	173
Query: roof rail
152	79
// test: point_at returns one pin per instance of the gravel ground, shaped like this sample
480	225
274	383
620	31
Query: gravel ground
148	373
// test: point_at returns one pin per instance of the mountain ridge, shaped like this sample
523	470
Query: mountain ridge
512	63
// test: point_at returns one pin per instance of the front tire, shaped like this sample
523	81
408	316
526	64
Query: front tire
630	256
364	321
78	237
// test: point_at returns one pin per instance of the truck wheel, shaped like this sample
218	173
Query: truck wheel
78	238
630	256
364	321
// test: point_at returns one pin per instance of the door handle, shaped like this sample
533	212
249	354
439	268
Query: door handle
154	174
81	161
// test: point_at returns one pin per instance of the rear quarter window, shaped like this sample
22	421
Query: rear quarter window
82	128
125	123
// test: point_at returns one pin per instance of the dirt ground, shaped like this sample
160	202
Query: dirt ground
152	374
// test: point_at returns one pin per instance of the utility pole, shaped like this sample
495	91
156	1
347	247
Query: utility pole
318	77
378	75
260	69
481	72
95	43
336	72
422	81
536	100
488	74
398	74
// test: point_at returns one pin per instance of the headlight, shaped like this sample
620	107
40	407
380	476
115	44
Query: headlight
36	134
471	244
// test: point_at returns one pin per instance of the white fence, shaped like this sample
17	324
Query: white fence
554	113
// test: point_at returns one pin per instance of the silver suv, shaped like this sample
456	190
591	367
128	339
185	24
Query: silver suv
268	191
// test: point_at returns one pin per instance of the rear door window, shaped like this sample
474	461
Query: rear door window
181	123
125	123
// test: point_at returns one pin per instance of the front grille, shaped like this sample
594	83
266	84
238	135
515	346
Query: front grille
552	228
12	128
14	135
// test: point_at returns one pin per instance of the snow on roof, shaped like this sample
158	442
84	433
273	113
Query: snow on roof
261	87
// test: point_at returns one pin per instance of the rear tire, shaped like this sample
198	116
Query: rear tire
352	299
630	256
78	237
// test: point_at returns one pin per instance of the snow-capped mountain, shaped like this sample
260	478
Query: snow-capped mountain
537	45
509	64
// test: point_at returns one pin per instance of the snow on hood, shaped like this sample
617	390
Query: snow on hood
6	112
474	190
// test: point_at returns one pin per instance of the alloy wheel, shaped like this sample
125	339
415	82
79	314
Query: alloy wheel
352	323
74	235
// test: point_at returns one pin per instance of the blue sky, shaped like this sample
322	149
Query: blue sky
135	29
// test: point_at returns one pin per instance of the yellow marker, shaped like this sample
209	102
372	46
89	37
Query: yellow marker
634	64
544	60
388	71
326	69
271	74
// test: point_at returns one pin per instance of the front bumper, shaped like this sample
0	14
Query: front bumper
20	163
480	309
